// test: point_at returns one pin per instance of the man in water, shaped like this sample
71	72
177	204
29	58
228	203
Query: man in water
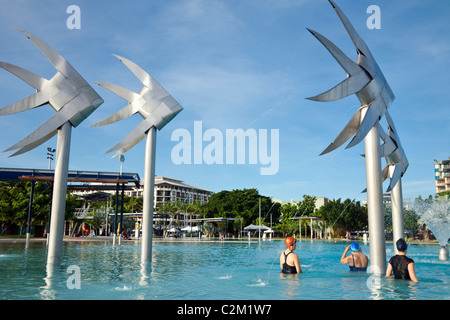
289	262
357	261
401	265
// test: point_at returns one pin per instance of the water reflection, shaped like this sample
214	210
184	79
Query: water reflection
397	290
146	271
353	284
48	292
53	280
291	283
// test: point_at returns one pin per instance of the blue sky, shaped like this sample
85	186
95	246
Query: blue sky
234	64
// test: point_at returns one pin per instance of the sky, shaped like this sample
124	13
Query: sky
237	64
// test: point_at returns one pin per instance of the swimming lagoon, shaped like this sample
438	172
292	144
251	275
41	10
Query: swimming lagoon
210	270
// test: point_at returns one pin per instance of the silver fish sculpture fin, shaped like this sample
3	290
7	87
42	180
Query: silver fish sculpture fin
66	92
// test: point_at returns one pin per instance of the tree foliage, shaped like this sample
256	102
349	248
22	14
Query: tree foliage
241	204
443	194
303	208
15	198
179	207
344	216
410	221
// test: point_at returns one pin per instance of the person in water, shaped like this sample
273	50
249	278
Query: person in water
400	265
289	261
357	261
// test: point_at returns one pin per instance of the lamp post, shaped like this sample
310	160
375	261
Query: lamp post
122	160
50	152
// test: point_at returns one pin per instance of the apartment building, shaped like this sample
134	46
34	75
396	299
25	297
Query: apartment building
172	190
442	175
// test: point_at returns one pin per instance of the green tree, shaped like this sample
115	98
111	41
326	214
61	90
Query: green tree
242	204
194	209
411	222
286	225
304	208
133	204
344	217
14	203
14	200
443	194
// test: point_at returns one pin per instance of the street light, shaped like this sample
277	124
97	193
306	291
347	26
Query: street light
122	160
50	157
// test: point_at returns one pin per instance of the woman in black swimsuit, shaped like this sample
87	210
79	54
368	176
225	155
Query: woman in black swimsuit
400	266
289	262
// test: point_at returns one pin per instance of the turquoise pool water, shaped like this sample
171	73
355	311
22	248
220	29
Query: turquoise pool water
197	270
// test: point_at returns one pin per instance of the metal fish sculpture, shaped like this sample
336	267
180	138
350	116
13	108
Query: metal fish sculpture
395	156
364	78
392	151
66	92
153	103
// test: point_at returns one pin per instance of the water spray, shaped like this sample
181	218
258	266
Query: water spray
436	214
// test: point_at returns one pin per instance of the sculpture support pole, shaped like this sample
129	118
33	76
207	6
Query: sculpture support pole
397	213
30	212
59	195
365	79
375	202
158	108
149	187
115	215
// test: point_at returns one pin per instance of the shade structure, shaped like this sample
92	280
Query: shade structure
252	227
190	229
311	218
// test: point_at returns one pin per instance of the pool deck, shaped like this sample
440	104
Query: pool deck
190	239
110	239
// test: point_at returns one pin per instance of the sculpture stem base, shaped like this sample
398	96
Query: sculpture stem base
59	196
443	253
375	203
148	196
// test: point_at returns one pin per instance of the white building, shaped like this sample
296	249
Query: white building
166	190
172	190
442	175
